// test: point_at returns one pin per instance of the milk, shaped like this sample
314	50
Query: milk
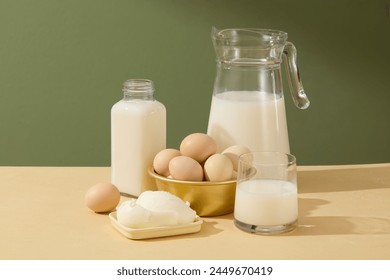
266	202
254	119
138	133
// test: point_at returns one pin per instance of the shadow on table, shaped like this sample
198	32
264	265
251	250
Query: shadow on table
208	228
348	179
335	225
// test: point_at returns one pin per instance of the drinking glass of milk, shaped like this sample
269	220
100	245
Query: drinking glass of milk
266	195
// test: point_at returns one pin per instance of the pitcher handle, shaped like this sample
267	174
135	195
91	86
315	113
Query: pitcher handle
294	81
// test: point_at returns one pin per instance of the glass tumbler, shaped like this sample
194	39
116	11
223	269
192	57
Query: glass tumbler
266	194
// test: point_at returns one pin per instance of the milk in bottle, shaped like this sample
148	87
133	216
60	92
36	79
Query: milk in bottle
138	133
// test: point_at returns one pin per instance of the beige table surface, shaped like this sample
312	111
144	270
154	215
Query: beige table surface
344	213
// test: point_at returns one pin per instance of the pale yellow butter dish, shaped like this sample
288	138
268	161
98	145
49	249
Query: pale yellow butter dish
154	232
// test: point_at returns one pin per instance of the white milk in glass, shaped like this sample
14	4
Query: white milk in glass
266	202
251	118
138	134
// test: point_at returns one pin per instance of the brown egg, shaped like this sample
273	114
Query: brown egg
198	146
162	159
218	167
102	197
234	152
186	169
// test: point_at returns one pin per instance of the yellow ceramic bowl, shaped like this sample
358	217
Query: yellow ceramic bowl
206	198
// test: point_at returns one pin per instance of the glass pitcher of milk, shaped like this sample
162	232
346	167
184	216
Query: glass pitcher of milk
247	106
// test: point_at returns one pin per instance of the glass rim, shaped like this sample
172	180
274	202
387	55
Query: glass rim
238	34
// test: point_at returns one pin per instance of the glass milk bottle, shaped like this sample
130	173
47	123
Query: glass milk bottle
138	133
247	106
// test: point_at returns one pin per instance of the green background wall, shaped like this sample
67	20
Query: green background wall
62	65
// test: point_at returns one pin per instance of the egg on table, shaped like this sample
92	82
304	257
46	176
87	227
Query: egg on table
102	197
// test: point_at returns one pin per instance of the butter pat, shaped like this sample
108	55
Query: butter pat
154	209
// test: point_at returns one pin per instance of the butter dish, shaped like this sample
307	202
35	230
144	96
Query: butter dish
154	232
